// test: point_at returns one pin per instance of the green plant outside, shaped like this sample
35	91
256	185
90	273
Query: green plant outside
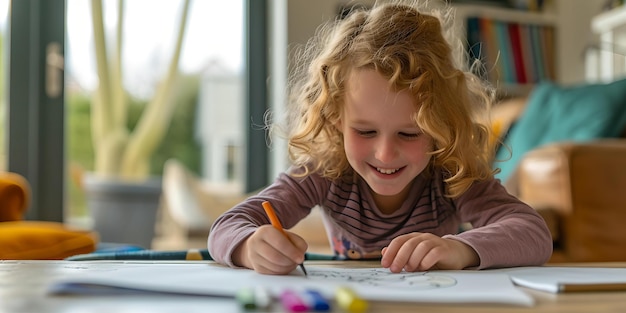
118	152
178	143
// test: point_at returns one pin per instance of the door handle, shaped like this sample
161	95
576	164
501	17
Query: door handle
54	70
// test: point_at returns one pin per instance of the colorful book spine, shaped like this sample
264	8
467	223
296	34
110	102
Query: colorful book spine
548	41
535	38
516	52
527	53
511	53
505	51
493	66
474	43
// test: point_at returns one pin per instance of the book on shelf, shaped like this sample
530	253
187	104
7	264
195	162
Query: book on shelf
527	53
535	43
493	67
516	52
504	44
547	35
513	53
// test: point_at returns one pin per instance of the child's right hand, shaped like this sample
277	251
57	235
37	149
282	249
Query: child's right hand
424	251
268	251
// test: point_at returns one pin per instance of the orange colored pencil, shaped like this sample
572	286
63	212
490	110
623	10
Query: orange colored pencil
271	214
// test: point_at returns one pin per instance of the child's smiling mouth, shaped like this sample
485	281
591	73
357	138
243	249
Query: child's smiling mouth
388	171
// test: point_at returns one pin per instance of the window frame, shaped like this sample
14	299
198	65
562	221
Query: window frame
35	119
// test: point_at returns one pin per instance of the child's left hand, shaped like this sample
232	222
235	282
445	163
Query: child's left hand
424	251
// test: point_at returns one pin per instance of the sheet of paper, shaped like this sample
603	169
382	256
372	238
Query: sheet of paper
551	279
369	283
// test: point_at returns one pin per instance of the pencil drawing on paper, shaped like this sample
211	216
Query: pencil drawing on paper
383	277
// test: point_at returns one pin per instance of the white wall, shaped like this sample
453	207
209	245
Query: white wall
573	36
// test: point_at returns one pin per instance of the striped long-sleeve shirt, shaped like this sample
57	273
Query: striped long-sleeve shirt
506	232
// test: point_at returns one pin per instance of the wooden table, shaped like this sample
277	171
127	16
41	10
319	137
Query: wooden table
23	288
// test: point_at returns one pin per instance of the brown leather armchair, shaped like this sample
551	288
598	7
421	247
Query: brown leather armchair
580	189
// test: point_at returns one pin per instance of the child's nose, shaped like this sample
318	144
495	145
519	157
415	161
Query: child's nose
386	150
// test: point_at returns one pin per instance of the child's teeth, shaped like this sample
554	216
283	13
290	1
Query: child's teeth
386	171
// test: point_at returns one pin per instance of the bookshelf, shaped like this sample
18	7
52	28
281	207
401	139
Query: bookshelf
518	48
569	18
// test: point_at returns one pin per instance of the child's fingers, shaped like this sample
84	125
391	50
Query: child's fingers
276	264
267	259
402	257
298	242
390	252
424	256
411	255
281	247
410	252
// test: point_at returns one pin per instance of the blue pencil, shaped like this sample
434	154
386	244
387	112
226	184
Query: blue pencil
182	255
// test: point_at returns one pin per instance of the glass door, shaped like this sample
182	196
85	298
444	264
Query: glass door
204	128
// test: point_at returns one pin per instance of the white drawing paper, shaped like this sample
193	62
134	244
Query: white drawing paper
370	283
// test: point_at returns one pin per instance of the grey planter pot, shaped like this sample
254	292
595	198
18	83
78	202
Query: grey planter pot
123	212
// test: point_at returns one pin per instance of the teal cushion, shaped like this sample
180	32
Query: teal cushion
555	113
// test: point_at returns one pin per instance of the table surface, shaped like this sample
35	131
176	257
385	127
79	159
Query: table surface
23	287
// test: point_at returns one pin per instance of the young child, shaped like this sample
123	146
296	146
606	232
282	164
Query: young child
385	138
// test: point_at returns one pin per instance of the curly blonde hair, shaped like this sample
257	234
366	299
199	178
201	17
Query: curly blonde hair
410	48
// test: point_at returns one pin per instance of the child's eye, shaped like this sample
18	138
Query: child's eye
409	135
365	133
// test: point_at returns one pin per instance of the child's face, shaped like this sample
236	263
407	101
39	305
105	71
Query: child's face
381	139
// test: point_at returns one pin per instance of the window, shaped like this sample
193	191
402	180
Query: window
41	120
206	132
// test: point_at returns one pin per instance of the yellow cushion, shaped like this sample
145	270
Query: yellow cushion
38	240
504	114
14	196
